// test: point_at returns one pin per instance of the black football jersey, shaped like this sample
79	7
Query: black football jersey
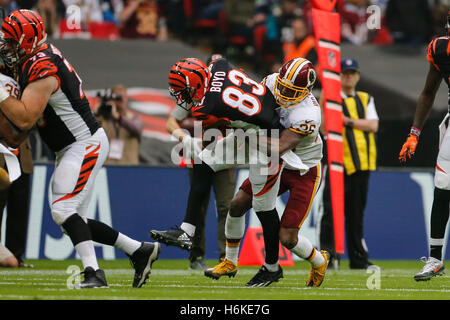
438	54
232	96
68	116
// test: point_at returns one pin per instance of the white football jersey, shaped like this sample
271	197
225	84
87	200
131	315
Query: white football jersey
303	118
10	85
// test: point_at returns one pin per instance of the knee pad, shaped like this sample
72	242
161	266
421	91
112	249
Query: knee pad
61	217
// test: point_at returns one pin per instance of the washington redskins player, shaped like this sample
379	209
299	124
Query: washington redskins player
438	56
224	93
53	98
300	114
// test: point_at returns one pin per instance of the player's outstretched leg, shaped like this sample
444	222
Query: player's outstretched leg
92	279
317	273
142	260
173	237
264	277
433	267
225	268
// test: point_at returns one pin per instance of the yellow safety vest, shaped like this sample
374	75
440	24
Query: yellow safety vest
360	151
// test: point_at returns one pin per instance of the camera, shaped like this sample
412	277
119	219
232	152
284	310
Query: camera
106	98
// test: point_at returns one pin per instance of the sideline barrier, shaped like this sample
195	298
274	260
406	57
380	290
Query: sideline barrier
135	200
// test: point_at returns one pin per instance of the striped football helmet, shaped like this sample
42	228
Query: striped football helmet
23	32
188	81
294	82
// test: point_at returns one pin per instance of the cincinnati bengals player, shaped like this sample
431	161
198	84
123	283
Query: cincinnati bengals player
438	56
300	114
53	98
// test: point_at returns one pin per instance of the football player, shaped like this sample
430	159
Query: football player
219	95
228	95
53	98
439	68
300	114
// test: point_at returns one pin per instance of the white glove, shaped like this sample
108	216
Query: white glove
191	147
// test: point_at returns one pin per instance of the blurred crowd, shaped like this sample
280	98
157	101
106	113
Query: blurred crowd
262	32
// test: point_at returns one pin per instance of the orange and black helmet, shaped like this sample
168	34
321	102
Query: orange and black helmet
23	31
188	81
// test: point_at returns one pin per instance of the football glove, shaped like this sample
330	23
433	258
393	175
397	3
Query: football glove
409	147
191	147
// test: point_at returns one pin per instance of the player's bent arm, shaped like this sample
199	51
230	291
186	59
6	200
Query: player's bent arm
288	140
426	98
25	112
174	128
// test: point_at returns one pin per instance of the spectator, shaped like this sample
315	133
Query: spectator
302	45
277	24
410	25
360	121
122	126
142	19
48	11
16	198
354	17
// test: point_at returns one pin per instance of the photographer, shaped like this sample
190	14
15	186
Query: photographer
122	127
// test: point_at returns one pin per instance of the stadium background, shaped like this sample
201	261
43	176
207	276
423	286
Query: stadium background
153	195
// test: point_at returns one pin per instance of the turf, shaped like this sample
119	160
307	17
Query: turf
172	280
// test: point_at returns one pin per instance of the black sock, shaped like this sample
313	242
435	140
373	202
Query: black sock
102	233
439	219
271	228
200	189
77	229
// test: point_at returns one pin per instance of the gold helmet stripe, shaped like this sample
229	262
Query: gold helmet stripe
294	68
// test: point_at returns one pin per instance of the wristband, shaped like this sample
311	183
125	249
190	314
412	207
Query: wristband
3	94
415	131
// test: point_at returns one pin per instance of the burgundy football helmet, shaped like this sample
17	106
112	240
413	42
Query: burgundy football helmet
294	82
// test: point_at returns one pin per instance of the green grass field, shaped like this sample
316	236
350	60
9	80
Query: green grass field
172	280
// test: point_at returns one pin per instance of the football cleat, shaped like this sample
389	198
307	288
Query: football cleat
92	279
198	264
433	267
265	277
317	274
142	260
225	268
173	237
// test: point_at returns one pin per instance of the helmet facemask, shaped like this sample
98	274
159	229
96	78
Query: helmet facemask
184	97
9	52
288	94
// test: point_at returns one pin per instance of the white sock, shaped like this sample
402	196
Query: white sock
305	250
232	253
127	244
234	231
188	228
272	267
86	251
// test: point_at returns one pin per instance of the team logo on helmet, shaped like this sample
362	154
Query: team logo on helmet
294	82
188	81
